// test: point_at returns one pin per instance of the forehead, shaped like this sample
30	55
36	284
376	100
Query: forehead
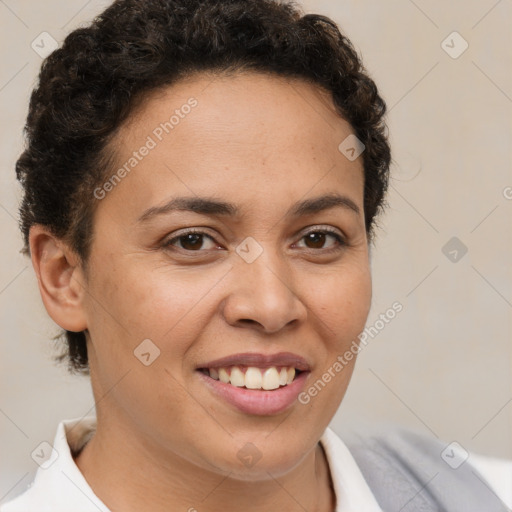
248	106
234	135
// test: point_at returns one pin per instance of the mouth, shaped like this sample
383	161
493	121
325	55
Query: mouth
256	384
253	377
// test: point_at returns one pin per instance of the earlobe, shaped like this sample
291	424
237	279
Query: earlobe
60	279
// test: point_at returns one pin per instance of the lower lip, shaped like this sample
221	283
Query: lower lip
256	401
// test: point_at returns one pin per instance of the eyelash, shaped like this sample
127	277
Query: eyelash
339	238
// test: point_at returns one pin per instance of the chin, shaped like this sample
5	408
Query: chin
252	463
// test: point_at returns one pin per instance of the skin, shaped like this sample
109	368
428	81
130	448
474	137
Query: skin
263	143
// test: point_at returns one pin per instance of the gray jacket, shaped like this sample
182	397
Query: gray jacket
412	472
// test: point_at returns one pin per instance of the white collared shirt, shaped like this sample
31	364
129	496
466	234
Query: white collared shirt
61	487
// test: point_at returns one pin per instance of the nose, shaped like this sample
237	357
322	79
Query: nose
262	295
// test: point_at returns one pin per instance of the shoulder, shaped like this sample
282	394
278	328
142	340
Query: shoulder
58	484
22	502
414	470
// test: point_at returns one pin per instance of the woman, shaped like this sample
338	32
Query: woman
201	185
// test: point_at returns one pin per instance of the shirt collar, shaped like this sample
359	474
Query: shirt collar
61	484
351	489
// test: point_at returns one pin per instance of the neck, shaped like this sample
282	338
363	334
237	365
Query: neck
129	477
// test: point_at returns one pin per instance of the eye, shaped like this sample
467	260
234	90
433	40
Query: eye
191	240
315	239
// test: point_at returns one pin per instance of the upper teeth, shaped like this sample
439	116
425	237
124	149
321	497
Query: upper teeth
254	378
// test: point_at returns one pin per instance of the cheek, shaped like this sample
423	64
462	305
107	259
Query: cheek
134	298
342	303
139	304
342	306
134	302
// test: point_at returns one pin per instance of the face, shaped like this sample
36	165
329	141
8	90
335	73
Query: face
272	278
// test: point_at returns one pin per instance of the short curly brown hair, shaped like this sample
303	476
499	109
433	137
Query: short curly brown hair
90	85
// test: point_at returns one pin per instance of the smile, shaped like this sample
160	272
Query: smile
256	383
252	377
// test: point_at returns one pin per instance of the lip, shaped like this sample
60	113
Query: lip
256	402
260	360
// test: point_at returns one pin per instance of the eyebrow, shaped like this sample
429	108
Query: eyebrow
215	207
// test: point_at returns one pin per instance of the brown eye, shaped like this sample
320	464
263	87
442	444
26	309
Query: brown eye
191	241
317	239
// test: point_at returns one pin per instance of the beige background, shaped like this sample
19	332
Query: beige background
443	366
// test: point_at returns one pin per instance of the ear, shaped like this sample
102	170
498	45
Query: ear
60	278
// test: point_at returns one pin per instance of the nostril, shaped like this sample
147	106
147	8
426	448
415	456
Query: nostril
248	320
